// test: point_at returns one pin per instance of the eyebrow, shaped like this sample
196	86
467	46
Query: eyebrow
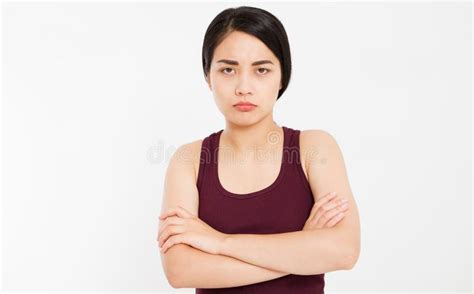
233	62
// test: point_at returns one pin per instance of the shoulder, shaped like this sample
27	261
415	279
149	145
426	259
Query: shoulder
187	156
325	166
316	145
317	136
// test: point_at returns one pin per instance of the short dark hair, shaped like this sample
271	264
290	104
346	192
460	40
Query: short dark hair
254	21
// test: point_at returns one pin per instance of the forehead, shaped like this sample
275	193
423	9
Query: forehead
244	48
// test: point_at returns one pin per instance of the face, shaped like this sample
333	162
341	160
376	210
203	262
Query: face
244	69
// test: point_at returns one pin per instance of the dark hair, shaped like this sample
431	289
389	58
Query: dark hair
254	21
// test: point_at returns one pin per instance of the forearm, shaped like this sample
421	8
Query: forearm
198	269
306	252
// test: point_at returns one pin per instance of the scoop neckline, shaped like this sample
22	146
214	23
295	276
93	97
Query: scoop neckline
265	190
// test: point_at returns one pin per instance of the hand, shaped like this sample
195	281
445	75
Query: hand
180	226
326	212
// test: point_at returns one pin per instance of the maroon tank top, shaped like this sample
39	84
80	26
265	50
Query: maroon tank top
281	207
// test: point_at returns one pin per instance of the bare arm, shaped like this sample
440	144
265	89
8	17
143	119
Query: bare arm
198	269
302	252
184	265
313	251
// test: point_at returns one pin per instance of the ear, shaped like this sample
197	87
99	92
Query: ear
208	82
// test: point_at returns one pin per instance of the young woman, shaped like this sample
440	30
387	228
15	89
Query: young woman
249	208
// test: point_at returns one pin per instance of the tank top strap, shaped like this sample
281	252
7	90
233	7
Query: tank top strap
287	142
291	146
205	159
295	162
214	148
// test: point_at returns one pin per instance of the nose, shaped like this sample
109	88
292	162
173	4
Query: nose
244	85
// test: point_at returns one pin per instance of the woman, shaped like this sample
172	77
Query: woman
257	225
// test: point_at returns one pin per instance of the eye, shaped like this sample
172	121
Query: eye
265	70
224	69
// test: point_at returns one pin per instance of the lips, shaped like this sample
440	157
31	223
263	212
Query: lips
245	106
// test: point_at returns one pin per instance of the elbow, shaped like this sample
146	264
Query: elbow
350	259
175	278
176	263
171	261
172	277
174	282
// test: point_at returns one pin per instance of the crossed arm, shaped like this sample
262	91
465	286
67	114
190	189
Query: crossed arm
251	258
193	268
308	252
186	266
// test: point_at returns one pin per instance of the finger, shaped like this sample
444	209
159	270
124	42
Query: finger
334	203
327	197
170	242
333	212
179	211
170	212
172	220
328	214
335	219
171	230
320	202
166	214
331	204
187	211
319	221
325	216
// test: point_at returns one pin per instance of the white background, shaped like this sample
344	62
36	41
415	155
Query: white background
97	96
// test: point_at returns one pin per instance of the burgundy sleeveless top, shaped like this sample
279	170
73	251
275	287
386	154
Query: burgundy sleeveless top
281	207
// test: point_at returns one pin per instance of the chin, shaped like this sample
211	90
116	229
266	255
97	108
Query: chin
243	119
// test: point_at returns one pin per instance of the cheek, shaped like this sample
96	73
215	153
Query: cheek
267	105
276	80
220	84
221	102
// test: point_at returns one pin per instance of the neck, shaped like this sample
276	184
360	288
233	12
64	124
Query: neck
264	134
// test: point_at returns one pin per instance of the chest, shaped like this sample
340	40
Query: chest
243	175
284	209
247	176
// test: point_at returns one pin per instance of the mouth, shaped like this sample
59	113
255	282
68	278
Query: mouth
245	106
244	103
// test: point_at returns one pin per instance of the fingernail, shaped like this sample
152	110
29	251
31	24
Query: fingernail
344	200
